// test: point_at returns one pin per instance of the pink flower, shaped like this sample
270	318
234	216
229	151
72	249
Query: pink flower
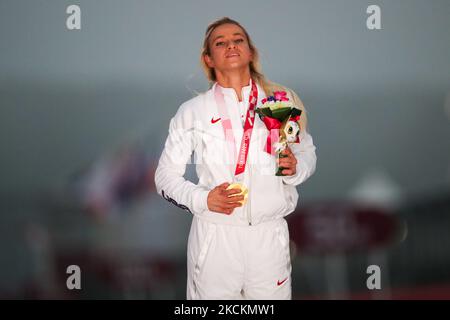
280	95
264	100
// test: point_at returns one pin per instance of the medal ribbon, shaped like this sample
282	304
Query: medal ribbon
248	127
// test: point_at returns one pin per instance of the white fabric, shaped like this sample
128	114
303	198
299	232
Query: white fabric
239	262
191	130
244	255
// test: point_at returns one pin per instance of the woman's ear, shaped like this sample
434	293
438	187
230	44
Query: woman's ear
208	61
251	55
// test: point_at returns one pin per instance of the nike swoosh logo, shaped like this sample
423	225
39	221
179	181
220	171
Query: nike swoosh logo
279	283
214	120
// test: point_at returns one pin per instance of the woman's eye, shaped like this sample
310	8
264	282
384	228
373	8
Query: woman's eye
239	40
220	43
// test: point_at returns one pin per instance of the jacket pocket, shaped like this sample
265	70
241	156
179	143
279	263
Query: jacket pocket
282	233
203	253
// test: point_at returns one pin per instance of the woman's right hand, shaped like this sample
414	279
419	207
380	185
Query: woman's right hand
219	199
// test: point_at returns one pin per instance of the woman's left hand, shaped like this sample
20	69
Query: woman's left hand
289	163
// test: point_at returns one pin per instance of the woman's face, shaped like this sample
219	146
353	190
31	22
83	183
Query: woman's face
228	48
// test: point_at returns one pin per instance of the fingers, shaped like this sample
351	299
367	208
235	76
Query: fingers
232	191
233	199
287	151
223	188
287	163
288	172
226	205
289	167
225	201
223	185
231	205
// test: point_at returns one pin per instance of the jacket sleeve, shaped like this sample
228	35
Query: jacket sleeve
305	153
169	175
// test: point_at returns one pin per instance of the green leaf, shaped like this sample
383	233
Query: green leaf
281	113
296	112
266	112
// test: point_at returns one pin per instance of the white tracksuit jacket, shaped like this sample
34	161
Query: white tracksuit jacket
196	128
244	255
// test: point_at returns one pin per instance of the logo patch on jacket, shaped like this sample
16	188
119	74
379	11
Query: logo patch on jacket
182	206
214	120
279	283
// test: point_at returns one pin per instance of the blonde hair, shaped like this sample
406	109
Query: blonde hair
255	67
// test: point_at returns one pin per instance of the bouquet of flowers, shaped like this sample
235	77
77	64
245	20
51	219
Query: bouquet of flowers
281	118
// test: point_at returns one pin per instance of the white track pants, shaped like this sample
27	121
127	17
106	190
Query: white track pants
238	262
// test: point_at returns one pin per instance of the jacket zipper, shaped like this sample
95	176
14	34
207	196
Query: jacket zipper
249	214
250	168
249	203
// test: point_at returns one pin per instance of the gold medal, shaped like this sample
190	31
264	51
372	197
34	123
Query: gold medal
244	191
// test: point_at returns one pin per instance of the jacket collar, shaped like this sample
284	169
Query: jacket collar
245	91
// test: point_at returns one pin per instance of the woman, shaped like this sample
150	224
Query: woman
238	245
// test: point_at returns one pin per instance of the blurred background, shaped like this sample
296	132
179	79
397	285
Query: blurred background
84	115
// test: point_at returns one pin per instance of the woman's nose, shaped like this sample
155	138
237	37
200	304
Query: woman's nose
231	45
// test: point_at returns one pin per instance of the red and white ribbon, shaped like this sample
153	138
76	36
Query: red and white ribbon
248	127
